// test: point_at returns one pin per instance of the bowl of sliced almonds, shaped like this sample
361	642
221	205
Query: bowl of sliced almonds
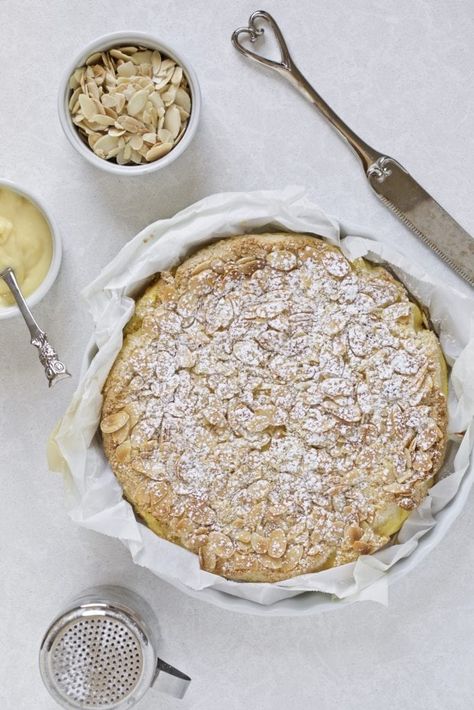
129	104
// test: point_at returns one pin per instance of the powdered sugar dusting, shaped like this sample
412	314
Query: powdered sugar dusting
285	404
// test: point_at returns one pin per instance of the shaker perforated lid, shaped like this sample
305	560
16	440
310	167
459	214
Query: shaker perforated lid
97	657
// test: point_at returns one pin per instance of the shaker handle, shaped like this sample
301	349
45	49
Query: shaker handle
288	69
170	680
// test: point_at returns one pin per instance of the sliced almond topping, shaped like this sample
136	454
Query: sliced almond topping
142	57
354	532
270	562
123	452
214	416
142	495
184	117
259	543
106	143
172	120
88	106
262	419
74	99
182	99
114	422
92	139
93	58
126	69
149	138
277	543
102	120
281	442
130	124
120	89
160	489
164	135
282	260
258	490
207	558
136	142
292	557
157	101
162	508
158	151
220	544
121	434
166	66
363	547
156	61
169	95
119	54
177	76
137	102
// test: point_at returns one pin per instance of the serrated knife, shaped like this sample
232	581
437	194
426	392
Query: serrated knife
397	189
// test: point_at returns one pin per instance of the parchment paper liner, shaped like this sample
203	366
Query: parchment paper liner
95	495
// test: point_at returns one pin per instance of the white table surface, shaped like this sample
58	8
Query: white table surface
401	73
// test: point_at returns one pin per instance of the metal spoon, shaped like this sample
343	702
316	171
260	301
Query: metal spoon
54	369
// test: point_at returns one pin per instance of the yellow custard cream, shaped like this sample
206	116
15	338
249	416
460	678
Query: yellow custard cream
25	243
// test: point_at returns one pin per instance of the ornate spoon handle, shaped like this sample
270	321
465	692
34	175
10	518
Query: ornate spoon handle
55	370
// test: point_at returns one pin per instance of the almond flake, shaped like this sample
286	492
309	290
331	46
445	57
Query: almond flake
158	151
137	102
88	106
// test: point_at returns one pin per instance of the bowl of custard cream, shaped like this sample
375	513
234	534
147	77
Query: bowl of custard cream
29	243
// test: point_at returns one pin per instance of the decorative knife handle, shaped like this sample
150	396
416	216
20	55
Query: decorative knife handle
55	370
415	207
287	68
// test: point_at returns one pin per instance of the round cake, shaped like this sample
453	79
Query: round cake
276	408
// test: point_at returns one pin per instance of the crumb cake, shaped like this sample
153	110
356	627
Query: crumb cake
275	408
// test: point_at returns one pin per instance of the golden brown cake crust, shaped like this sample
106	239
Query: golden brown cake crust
275	408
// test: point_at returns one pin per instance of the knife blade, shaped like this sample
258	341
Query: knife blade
399	191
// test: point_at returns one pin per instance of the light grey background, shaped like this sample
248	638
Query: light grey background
401	73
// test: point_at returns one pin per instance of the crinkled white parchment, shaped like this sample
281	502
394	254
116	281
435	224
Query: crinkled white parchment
96	496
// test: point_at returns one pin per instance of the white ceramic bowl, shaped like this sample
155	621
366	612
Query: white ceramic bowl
45	285
107	42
